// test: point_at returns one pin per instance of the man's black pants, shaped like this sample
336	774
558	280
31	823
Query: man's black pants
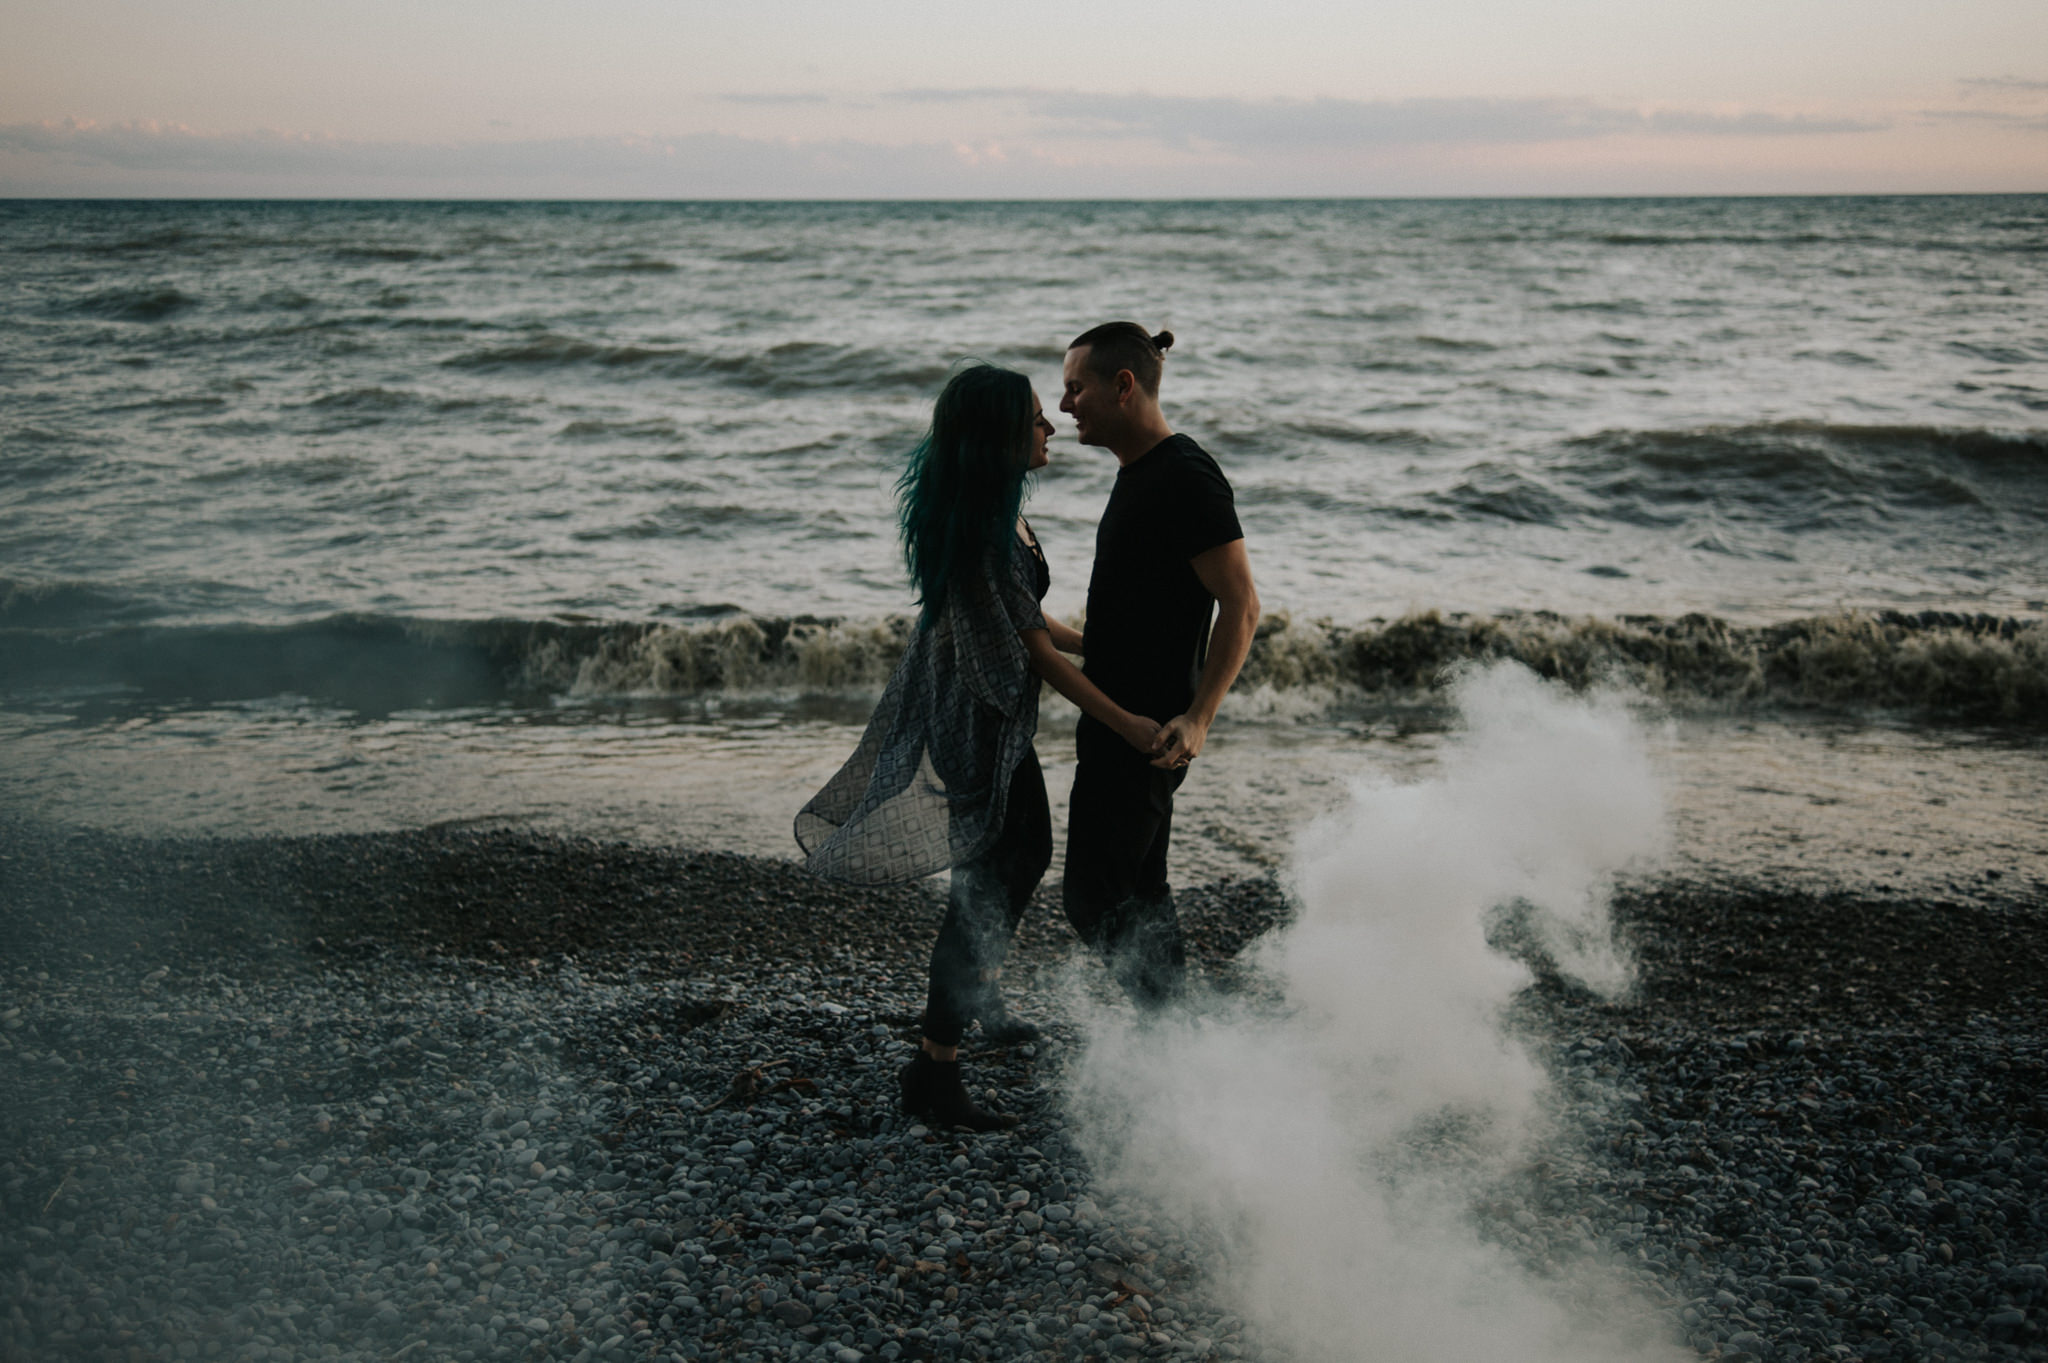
987	898
1118	827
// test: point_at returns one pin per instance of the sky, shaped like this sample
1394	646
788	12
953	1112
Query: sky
674	99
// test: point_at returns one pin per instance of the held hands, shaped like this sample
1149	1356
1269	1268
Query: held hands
1171	745
1178	742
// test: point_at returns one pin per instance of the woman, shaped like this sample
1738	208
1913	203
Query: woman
945	775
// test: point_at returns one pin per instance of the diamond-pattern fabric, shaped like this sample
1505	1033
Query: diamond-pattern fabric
925	789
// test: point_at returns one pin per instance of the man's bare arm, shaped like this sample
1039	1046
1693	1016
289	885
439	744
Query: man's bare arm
1227	572
1065	637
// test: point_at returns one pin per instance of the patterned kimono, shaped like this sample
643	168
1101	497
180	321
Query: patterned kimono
927	786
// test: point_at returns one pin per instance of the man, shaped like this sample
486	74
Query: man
1167	552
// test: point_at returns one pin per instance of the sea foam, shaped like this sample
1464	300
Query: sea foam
1932	665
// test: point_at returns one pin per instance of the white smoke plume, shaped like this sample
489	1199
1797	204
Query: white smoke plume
1327	1129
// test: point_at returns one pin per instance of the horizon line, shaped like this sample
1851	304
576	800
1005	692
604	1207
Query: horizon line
6	198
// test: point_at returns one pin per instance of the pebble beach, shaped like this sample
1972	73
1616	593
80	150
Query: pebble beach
448	1094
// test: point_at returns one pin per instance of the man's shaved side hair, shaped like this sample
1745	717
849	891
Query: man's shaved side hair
1116	346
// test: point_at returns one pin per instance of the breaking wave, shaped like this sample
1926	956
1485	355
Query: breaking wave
380	664
1932	662
1936	665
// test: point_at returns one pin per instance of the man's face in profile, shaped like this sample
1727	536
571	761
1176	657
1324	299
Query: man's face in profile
1090	400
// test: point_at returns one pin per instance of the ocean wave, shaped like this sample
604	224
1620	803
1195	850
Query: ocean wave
184	242
1999	354
368	399
139	303
38	603
1796	474
392	255
43	435
168	239
637	265
683	519
1848	359
1936	665
1705	448
214	237
177	402
1731	239
1619	307
1386	312
1504	493
646	428
1337	432
37	454
2022	242
308	469
792	366
1245	437
287	300
544	350
376	664
741	654
1301	497
349	409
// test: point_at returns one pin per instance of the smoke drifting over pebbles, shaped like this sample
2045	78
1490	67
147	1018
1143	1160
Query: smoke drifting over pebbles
1332	1135
1812	1130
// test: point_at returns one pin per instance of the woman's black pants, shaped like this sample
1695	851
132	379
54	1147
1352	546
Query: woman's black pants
983	907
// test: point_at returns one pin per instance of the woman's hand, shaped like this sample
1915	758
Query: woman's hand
1137	731
1067	679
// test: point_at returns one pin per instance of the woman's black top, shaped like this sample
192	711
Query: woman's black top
1044	573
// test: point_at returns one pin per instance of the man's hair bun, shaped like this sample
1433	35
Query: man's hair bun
1116	346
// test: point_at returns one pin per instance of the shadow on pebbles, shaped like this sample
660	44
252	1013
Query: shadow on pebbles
451	1095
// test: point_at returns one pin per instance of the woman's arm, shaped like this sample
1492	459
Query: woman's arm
1065	637
1066	679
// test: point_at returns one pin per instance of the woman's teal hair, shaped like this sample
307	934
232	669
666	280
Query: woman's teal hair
958	500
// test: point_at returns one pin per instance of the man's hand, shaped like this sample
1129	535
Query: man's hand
1179	742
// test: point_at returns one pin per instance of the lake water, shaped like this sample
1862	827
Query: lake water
318	515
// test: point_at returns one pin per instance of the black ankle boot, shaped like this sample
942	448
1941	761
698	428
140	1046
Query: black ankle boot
932	1090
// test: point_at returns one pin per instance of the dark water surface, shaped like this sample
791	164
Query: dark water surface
1752	407
352	489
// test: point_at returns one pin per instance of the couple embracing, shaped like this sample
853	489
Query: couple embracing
945	775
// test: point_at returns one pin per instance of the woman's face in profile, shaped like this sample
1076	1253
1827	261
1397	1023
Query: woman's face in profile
1041	431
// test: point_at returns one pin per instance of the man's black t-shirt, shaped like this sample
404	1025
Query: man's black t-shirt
1148	614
